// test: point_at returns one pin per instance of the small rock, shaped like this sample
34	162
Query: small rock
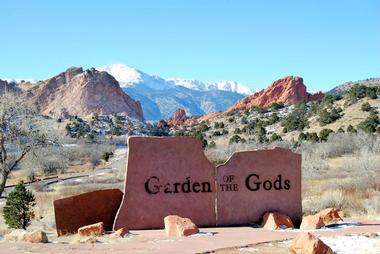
37	236
93	229
16	235
329	216
178	226
20	235
120	233
311	222
307	243
275	221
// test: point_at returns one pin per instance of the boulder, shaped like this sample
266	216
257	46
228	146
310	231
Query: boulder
329	216
311	222
16	235
274	221
120	233
80	210
20	235
37	236
307	243
178	226
91	230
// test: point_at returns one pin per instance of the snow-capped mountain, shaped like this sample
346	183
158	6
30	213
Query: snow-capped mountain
129	76
161	97
223	85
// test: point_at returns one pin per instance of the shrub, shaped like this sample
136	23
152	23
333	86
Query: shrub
212	144
18	211
297	119
216	134
366	106
236	139
351	129
276	106
231	119
326	117
324	134
244	120
275	137
106	156
237	131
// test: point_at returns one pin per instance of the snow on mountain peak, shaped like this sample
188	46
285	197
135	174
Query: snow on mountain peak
123	73
128	76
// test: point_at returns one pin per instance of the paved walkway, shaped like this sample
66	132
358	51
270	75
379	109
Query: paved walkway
155	241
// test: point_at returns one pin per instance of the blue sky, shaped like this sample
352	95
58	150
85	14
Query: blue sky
253	42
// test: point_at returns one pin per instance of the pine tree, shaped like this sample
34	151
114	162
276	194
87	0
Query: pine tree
18	209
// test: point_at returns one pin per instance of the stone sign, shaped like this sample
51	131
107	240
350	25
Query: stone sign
77	211
172	176
166	176
251	183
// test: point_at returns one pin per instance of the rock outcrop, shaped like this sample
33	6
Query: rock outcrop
178	118
288	90
91	230
323	218
311	222
275	221
329	216
307	243
20	235
177	226
82	93
121	232
77	211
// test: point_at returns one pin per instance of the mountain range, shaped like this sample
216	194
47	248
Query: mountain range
161	97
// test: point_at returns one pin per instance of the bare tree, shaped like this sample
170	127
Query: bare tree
20	133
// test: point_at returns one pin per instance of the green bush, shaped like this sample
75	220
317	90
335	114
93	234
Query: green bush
18	209
237	131
326	117
351	129
297	119
276	106
366	106
244	120
236	139
212	144
324	134
106	156
275	137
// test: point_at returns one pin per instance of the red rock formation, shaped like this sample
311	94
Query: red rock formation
162	124
93	229
288	90
83	93
178	118
77	211
329	216
275	221
178	226
307	243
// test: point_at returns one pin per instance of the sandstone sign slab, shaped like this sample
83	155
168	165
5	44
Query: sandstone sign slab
166	176
77	211
251	183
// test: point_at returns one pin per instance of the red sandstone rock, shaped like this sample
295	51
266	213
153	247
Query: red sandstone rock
82	93
274	221
162	124
166	175
77	211
307	243
311	222
178	118
329	216
288	90
120	233
93	229
178	226
278	170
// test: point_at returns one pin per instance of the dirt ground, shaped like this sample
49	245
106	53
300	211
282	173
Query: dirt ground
210	240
